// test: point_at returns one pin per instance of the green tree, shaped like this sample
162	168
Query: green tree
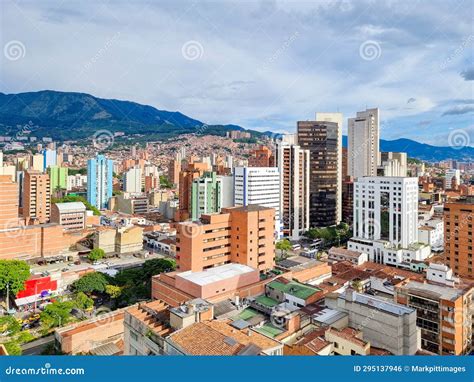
56	314
13	274
82	301
284	246
13	348
164	182
113	291
91	282
9	324
96	254
156	266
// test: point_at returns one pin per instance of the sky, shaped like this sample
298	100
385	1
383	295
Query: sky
259	64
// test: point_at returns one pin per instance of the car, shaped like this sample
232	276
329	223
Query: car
33	318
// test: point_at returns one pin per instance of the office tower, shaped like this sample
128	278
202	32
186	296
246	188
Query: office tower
453	177
344	163
386	220
348	200
132	180
9	197
49	158
99	181
36	197
444	315
37	162
210	193
241	235
323	139
363	143
393	164
458	223
261	186
192	171
293	165
58	178
261	157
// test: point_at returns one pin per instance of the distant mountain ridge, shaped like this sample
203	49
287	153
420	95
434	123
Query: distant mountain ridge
77	116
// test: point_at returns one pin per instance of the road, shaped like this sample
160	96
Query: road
38	346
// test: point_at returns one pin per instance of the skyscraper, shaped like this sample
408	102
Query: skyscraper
49	158
363	143
210	193
293	164
323	139
452	177
99	181
258	185
58	177
36	197
132	180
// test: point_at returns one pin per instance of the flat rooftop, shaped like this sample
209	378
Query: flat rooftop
216	274
379	304
294	289
433	291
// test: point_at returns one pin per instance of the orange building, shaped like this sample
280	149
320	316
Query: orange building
174	169
262	157
36	197
458	229
8	202
152	182
241	235
193	170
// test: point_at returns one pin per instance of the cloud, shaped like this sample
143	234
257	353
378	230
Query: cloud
468	74
458	110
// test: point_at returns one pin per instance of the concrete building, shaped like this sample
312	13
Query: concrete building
458	223
71	216
363	143
342	254
262	157
444	315
452	177
386	220
186	177
293	165
9	197
58	177
49	158
241	235
323	138
132	180
386	325
37	162
119	240
432	234
393	164
36	197
99	181
75	182
133	204
210	193
258	186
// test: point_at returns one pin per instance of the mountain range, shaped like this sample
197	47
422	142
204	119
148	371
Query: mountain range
77	116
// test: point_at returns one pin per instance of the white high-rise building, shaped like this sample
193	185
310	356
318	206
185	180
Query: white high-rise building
258	185
386	220
363	143
393	164
76	181
450	174
132	180
293	164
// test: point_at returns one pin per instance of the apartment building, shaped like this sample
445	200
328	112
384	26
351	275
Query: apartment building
210	193
443	315
452	178
363	143
58	178
36	197
458	235
393	164
293	165
241	235
186	177
132	180
99	181
261	157
323	139
8	202
258	186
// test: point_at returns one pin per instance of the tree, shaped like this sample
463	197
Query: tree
82	301
164	182
13	348
113	291
96	254
9	324
56	314
13	274
91	282
284	246
156	266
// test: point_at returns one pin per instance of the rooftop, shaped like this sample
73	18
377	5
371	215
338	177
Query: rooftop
344	252
216	274
72	206
433	291
293	288
380	304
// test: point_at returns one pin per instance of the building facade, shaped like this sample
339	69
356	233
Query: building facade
36	197
99	181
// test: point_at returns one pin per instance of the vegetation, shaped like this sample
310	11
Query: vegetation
96	254
113	291
91	282
83	302
76	198
331	235
56	314
75	171
284	246
13	274
13	347
165	182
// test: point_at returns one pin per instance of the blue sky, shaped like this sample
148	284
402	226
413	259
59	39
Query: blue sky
260	64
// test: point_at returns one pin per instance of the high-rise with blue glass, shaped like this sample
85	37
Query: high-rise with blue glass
99	181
